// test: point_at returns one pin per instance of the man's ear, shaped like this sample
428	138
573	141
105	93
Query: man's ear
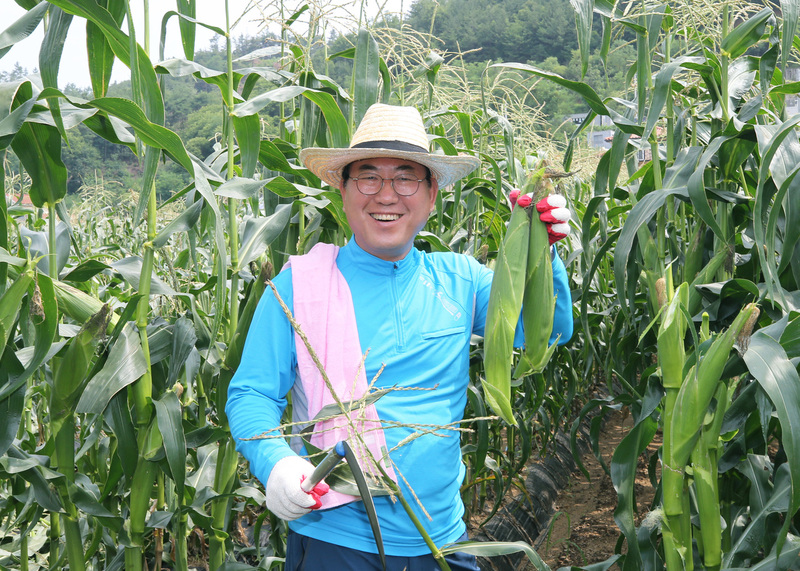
434	191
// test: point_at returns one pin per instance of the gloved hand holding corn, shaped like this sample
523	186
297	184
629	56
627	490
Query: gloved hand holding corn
523	281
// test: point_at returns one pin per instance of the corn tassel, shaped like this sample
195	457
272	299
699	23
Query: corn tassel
505	304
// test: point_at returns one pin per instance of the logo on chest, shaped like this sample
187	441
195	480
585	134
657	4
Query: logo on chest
441	298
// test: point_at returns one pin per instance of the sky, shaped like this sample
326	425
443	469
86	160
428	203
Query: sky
245	15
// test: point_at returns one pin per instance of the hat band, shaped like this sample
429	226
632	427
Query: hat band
391	145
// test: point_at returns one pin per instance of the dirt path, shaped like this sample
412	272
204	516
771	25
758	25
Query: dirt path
582	529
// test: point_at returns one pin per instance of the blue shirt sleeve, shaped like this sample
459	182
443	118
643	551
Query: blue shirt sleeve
562	319
266	373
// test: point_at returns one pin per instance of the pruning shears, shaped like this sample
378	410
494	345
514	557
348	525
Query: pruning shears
325	467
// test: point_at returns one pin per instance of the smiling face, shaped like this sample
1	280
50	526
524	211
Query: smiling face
385	224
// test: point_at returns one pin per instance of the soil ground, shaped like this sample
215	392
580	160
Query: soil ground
582	529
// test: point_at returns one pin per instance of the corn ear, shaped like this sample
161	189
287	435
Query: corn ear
539	302
671	334
505	304
699	387
79	305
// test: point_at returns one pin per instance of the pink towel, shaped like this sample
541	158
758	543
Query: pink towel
323	306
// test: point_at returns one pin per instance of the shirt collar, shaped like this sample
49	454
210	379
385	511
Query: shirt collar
353	254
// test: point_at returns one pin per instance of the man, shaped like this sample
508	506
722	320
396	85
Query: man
413	314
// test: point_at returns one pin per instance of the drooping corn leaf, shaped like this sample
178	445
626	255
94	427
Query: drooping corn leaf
22	28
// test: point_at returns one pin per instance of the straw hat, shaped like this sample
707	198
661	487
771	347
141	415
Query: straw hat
389	131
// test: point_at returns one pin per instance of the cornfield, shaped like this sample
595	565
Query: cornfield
123	317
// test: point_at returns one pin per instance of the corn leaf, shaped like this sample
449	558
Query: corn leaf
777	375
248	138
584	10
242	188
366	73
747	34
184	338
70	375
168	415
22	28
38	148
118	417
259	233
623	475
125	364
183	223
12	406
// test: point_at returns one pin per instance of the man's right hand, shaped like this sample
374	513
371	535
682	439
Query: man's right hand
285	498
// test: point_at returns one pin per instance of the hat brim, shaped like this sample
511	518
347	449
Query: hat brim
328	163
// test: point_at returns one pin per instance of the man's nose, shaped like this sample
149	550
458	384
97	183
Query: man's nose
387	192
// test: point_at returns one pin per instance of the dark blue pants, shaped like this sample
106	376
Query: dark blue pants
307	554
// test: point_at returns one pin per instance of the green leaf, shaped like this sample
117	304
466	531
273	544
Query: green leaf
366	498
50	59
747	34
130	269
623	475
118	417
126	363
168	414
583	21
22	28
256	104
366	72
70	376
258	233
495	548
184	338
248	137
44	309
183	223
143	72
10	304
152	134
583	89
39	150
12	406
86	271
768	363
241	188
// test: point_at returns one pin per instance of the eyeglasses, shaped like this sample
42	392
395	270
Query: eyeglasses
403	185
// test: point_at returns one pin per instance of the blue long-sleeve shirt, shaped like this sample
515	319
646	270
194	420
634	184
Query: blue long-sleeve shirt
416	317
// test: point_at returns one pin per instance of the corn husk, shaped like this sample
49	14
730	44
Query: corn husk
505	303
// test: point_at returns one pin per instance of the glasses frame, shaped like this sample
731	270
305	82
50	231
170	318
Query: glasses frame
383	180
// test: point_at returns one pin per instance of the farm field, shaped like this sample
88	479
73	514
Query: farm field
125	301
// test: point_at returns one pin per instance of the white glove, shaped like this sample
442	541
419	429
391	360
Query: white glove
285	498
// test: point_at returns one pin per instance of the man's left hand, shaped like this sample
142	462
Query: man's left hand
554	213
552	210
